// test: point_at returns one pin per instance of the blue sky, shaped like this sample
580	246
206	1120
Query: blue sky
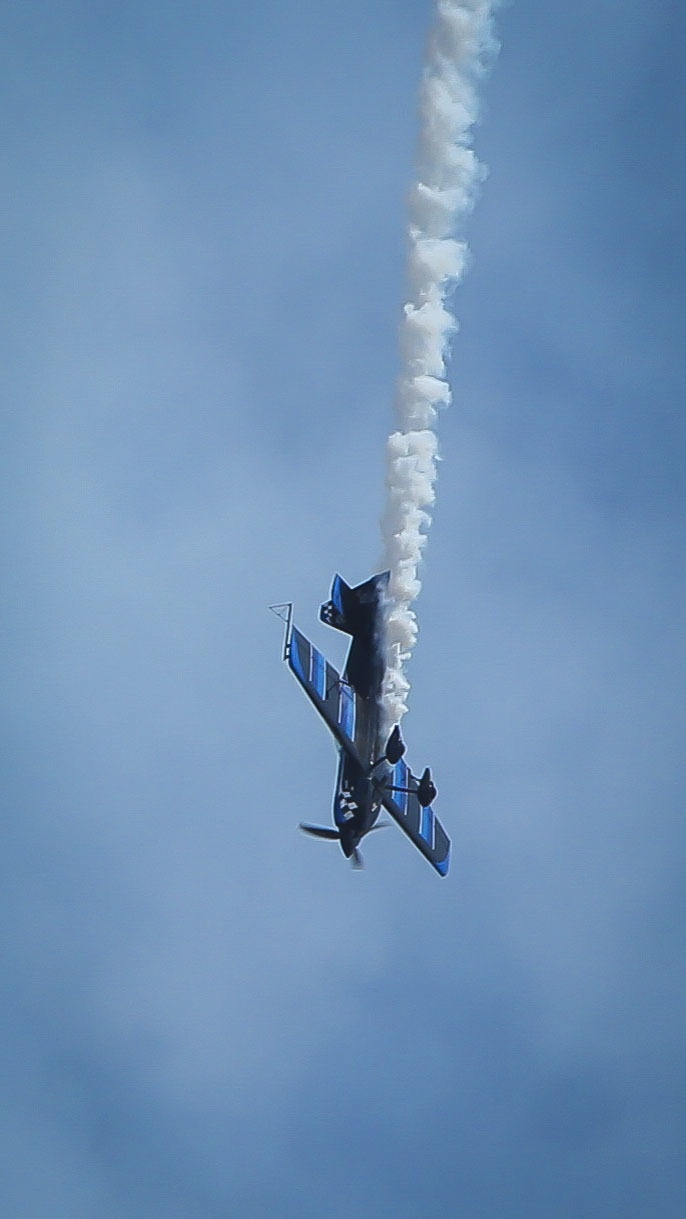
206	1014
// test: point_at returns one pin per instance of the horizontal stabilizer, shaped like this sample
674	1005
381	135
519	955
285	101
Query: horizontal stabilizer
354	609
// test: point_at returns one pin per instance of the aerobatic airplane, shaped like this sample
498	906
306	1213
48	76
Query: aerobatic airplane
371	772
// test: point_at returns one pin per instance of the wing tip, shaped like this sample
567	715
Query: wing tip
443	867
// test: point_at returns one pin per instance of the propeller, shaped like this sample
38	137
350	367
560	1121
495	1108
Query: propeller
333	835
320	831
356	858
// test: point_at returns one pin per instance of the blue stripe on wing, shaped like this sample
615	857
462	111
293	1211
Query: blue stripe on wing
333	698
426	826
318	673
298	662
346	710
421	825
400	779
443	866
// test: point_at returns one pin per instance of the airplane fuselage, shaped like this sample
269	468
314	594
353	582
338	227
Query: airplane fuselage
357	802
371	771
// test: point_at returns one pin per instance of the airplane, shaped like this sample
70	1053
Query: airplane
371	772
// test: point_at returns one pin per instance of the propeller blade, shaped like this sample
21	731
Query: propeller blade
320	831
380	825
356	860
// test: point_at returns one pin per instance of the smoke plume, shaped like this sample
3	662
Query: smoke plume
461	44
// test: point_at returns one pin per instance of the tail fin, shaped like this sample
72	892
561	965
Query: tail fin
352	609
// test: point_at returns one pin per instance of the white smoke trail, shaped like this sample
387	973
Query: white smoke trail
449	173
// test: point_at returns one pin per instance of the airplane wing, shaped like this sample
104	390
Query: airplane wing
420	824
333	697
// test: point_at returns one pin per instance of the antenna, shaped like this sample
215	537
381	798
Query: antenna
284	612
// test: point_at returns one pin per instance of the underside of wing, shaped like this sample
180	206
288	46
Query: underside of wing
420	824
333	697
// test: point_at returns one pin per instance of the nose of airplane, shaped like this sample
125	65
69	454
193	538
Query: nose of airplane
348	842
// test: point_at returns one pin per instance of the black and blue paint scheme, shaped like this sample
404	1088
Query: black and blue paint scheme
371	771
